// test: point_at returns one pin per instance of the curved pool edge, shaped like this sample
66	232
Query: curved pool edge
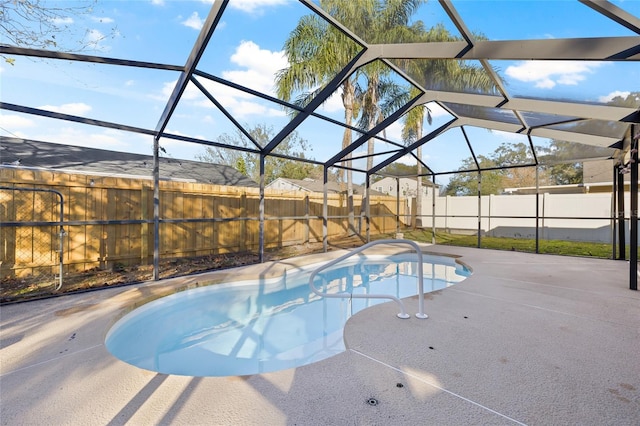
148	291
273	270
389	310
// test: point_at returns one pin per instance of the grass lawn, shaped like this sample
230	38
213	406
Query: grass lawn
567	248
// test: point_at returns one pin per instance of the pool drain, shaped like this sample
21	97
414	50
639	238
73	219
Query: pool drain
372	402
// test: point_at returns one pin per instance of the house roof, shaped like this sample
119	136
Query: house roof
312	185
424	182
18	152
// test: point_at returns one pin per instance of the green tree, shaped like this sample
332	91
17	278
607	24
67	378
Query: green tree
494	178
466	183
559	162
249	163
632	100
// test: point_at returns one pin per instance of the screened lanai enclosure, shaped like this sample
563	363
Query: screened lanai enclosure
380	116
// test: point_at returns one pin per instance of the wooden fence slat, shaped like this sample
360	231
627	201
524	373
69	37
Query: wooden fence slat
98	198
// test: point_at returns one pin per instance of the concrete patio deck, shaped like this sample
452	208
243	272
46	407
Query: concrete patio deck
528	339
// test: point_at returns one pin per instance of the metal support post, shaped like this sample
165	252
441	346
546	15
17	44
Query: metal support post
325	209
156	208
622	248
479	207
261	212
633	232
537	210
614	212
433	210
397	205
367	207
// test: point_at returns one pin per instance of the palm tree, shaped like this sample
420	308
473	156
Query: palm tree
440	74
316	52
379	22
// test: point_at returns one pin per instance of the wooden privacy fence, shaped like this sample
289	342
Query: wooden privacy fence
109	220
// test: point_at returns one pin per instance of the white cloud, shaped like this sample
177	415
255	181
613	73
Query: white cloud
508	136
157	2
78	108
245	108
62	21
194	21
129	83
394	131
71	135
11	122
255	6
608	98
239	104
102	20
360	151
95	40
191	92
547	74
104	139
437	110
410	160
333	104
261	66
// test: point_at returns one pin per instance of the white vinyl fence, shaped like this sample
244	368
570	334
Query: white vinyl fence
572	217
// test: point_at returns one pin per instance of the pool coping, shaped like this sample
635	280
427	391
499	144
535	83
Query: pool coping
546	340
271	269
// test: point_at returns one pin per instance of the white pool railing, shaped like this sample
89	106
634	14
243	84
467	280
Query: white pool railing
403	313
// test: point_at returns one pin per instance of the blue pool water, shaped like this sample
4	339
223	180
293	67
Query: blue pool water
266	325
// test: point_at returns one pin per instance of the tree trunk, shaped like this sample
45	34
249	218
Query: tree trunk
348	95
371	103
418	221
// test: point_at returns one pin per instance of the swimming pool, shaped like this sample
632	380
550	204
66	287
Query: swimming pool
265	325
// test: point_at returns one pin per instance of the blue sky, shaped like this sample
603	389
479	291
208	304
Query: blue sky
247	49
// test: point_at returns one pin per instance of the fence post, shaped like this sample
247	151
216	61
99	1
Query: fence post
491	203
243	225
545	201
144	226
306	219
